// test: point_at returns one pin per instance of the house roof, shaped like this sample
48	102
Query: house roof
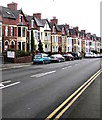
58	28
8	13
38	22
28	18
43	21
51	25
11	14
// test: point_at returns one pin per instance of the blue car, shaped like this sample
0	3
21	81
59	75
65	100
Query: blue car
41	58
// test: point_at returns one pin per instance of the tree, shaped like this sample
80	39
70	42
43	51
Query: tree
40	46
32	41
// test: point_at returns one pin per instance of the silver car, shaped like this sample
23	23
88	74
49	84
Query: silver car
57	58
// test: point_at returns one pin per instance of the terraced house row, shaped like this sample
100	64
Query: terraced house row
15	32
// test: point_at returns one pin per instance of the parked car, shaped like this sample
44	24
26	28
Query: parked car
68	56
90	55
41	58
57	58
100	55
77	56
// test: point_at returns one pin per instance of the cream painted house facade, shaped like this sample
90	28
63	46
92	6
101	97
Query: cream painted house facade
84	45
69	44
75	44
64	43
22	38
79	45
55	42
45	36
98	46
87	46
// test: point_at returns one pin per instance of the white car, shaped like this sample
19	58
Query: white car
57	58
90	55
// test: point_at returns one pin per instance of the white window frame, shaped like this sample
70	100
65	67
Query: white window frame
6	31
12	31
32	23
20	18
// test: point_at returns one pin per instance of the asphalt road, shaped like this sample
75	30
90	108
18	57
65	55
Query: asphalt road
35	91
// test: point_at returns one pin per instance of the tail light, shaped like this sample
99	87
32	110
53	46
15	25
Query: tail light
41	56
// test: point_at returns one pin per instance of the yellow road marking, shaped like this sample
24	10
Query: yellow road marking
66	108
70	97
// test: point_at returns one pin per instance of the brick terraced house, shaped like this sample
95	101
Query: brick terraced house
15	33
14	28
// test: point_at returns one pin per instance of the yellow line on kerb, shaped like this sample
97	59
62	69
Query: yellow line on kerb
89	81
66	108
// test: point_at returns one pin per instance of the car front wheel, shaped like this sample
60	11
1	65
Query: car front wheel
43	62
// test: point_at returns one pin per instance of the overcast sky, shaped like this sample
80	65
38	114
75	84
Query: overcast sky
82	13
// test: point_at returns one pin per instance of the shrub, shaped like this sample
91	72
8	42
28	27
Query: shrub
21	53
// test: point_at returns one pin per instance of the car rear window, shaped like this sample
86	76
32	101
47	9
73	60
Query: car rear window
38	56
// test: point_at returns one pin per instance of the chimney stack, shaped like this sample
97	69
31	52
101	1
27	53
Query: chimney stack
76	28
54	20
12	6
37	15
83	31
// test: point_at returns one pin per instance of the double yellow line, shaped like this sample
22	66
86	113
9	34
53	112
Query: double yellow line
58	112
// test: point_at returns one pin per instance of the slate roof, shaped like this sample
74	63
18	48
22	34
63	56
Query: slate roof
58	28
11	14
7	13
28	18
43	21
38	22
51	25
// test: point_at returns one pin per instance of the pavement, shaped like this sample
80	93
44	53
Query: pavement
14	65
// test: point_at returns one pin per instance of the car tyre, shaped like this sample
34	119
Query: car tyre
43	62
59	61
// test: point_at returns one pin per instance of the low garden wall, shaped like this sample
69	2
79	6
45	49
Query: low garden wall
17	57
24	59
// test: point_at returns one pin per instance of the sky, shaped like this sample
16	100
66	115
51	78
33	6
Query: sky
82	13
